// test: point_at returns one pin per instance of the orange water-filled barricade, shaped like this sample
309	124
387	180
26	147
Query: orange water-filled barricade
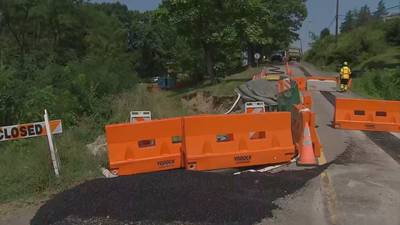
367	114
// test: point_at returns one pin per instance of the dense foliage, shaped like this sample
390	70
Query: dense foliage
84	62
370	43
363	35
384	84
68	56
65	56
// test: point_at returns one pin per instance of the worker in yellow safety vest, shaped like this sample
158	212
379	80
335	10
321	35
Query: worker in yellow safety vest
345	74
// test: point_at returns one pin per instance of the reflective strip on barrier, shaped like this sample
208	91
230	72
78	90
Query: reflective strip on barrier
145	147
366	114
237	140
300	116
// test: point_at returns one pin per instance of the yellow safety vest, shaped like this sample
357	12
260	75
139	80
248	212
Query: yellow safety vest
345	72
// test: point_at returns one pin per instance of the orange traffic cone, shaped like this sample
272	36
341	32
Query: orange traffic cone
307	157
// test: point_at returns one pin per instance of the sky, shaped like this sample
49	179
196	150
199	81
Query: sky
141	5
321	13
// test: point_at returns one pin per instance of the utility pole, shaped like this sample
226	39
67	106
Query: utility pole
337	19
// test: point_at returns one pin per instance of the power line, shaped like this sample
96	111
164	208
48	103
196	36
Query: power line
393	7
333	20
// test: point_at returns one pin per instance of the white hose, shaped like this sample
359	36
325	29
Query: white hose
235	103
266	169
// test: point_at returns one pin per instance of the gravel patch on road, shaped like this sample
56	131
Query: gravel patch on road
173	197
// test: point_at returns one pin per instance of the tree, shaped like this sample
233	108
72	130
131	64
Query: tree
202	22
348	23
392	31
266	24
324	33
61	55
221	28
364	15
380	10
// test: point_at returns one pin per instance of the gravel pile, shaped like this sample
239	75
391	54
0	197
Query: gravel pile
173	197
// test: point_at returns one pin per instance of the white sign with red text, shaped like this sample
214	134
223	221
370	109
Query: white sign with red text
29	130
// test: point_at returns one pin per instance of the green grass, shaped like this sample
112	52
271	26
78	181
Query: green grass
387	59
162	104
25	169
228	84
224	87
379	84
379	76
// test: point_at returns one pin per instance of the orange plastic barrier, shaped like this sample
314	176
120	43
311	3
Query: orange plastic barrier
301	116
307	99
301	83
237	140
365	114
283	85
144	146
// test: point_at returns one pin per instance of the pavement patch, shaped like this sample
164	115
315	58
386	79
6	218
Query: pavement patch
174	197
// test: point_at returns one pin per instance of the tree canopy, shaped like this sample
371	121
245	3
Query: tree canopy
70	56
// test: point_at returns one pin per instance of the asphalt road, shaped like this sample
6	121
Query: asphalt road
360	187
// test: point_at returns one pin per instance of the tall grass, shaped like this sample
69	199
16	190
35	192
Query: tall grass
162	104
26	171
383	84
25	168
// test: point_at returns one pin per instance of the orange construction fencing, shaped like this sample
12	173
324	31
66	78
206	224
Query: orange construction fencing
301	116
366	114
237	140
144	146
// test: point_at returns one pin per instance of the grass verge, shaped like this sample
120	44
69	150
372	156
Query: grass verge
25	168
380	84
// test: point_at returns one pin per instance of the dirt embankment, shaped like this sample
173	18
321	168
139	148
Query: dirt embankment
203	102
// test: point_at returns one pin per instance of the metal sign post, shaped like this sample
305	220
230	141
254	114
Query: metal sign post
257	56
53	151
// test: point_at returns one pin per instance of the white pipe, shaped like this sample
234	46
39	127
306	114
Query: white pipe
235	103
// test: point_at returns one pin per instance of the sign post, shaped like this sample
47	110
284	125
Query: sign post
257	56
29	130
53	150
